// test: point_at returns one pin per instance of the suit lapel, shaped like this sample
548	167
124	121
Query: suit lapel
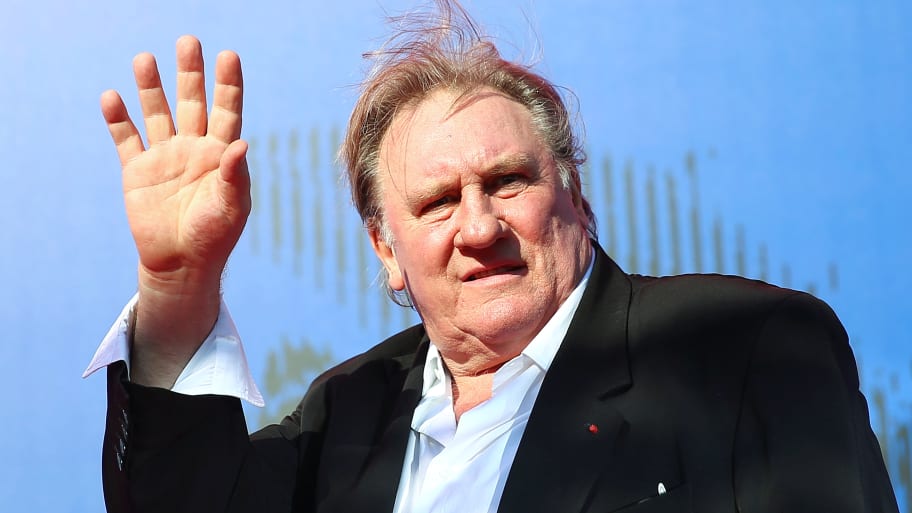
571	435
379	480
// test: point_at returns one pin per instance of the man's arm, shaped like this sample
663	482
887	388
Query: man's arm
187	197
804	441
165	451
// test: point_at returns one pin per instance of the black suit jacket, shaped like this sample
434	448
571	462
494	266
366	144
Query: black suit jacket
733	394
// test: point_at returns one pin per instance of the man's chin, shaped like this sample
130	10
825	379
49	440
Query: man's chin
504	322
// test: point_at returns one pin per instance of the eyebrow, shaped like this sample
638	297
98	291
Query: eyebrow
511	163
501	166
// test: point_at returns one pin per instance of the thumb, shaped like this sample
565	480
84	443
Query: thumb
235	178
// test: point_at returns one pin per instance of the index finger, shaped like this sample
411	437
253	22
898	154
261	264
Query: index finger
227	98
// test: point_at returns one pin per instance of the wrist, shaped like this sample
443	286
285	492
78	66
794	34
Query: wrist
173	316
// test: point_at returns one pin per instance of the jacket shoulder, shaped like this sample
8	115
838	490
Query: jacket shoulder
398	350
372	377
699	296
711	312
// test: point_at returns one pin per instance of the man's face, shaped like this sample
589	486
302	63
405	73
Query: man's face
485	238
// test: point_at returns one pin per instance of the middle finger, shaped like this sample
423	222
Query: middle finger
191	87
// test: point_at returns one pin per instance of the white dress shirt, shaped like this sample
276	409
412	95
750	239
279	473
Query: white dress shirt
448	467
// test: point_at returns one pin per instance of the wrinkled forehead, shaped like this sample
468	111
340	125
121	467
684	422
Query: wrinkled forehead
439	105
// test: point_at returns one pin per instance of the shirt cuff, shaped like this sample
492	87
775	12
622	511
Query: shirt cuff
218	367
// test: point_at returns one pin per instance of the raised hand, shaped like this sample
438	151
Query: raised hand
187	197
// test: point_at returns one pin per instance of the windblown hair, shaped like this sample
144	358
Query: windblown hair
446	50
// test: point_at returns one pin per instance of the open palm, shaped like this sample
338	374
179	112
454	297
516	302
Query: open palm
187	194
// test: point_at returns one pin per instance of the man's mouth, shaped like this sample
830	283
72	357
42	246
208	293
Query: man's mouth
491	272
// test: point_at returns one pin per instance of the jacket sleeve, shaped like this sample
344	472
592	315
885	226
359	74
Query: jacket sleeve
804	442
165	451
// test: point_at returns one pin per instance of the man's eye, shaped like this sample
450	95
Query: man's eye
509	181
437	203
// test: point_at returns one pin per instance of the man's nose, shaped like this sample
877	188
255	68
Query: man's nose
479	223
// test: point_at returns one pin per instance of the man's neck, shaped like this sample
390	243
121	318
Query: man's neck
470	391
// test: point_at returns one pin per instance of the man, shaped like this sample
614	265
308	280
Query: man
542	378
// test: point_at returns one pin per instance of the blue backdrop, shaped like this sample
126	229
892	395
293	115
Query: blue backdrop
764	138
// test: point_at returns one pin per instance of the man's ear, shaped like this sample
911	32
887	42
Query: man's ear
388	258
583	209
